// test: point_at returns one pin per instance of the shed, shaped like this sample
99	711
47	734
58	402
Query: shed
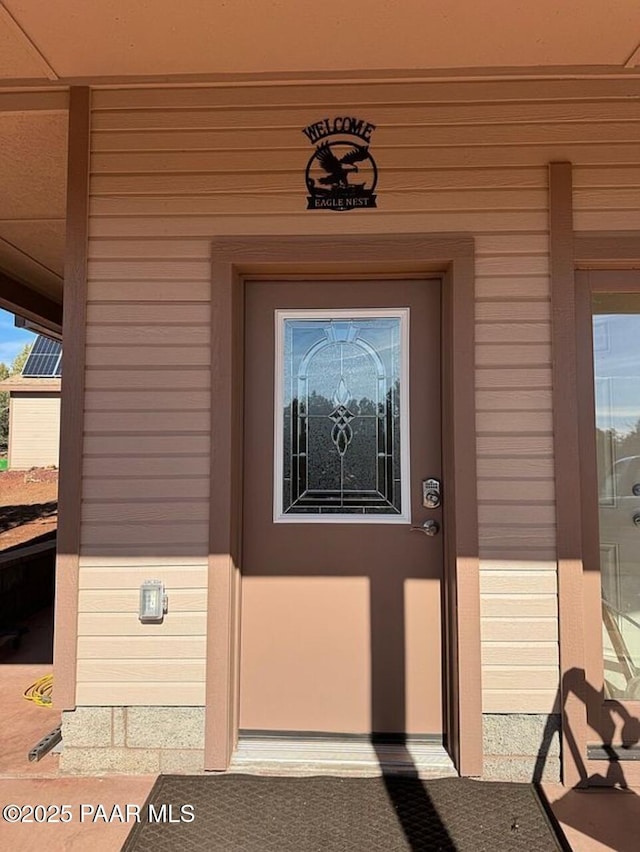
34	408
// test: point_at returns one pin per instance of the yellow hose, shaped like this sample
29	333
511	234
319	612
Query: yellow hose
40	691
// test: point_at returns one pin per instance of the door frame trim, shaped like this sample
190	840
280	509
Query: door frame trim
234	259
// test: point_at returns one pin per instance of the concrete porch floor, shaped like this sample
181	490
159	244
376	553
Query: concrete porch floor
23	722
597	820
25	783
593	821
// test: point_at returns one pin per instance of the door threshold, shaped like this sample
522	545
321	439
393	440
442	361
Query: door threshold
341	755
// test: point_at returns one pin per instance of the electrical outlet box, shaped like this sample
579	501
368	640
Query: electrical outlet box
153	602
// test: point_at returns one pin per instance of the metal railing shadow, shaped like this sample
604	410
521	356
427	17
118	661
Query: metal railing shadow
594	807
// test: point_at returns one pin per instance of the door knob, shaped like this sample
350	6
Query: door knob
429	528
636	519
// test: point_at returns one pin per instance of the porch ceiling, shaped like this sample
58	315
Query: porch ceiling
119	38
33	150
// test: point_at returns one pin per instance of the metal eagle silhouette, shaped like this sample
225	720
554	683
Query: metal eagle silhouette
338	170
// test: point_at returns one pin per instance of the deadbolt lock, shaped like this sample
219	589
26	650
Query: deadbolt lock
431	493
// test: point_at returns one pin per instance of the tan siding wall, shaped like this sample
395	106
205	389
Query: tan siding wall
520	635
122	661
34	431
173	168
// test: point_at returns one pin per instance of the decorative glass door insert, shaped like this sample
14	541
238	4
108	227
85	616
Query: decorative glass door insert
616	332
341	408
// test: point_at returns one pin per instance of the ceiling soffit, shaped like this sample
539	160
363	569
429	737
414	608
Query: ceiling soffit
33	153
146	38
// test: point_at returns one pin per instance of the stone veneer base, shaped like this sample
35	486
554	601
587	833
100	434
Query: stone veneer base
132	740
521	747
147	740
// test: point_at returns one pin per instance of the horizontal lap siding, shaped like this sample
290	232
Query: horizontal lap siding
607	199
173	168
146	482
122	661
147	417
520	635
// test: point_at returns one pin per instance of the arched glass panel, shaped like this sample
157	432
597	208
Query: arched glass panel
341	417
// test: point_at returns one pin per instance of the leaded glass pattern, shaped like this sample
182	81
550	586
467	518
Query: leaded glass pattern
341	416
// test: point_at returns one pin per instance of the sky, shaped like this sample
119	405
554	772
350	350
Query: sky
617	370
12	339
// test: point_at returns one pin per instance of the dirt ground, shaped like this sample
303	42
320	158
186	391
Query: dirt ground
28	505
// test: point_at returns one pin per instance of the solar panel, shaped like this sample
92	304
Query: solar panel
44	359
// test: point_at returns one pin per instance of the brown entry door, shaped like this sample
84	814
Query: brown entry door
341	601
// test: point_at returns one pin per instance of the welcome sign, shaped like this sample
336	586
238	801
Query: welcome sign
341	174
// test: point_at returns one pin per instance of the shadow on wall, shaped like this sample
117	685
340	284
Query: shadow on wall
601	805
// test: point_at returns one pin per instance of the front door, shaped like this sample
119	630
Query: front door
341	597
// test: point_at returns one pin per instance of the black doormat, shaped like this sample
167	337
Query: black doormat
244	813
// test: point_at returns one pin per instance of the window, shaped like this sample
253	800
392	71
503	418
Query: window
342	416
